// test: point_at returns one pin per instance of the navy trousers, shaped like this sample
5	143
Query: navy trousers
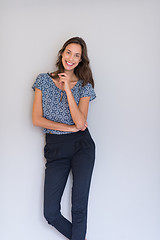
75	152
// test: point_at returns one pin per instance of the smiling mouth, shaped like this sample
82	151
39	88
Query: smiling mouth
69	64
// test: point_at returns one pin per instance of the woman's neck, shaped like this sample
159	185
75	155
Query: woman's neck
71	75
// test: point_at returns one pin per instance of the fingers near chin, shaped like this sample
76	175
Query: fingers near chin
62	75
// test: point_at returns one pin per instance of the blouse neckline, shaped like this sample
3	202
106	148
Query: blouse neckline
61	89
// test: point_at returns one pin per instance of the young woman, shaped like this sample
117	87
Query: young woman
61	107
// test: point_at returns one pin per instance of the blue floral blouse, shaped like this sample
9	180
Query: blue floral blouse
56	108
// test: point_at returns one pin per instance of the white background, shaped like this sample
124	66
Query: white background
123	39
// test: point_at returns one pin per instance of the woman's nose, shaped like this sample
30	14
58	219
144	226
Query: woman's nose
71	58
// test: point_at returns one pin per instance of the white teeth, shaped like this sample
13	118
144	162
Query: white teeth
70	63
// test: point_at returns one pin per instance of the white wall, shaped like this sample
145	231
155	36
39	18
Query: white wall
123	44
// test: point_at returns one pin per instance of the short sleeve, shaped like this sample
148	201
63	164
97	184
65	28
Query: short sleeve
38	83
88	91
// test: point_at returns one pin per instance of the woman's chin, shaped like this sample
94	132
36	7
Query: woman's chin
68	68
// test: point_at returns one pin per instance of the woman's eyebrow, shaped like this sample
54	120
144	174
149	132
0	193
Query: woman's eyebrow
70	51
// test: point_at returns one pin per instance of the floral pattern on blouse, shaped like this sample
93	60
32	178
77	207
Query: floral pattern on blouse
56	108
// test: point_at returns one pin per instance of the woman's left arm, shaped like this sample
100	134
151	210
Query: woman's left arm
79	113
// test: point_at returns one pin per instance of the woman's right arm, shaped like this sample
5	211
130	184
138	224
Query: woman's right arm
40	121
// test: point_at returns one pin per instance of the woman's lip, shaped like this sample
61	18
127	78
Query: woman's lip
69	63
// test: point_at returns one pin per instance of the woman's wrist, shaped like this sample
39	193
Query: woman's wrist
74	128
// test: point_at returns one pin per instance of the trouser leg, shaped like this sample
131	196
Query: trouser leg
56	175
82	168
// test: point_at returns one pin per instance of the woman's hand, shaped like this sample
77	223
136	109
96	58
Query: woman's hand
64	81
85	126
75	129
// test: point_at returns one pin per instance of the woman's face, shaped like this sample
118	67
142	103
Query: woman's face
71	56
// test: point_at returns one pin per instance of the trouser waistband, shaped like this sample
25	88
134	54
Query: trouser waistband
55	138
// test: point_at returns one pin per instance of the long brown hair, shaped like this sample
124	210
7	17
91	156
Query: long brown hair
83	70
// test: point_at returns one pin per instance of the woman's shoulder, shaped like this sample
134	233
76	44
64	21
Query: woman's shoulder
87	90
45	78
42	75
85	85
42	79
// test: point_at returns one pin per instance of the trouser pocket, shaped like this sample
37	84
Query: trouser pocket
50	151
